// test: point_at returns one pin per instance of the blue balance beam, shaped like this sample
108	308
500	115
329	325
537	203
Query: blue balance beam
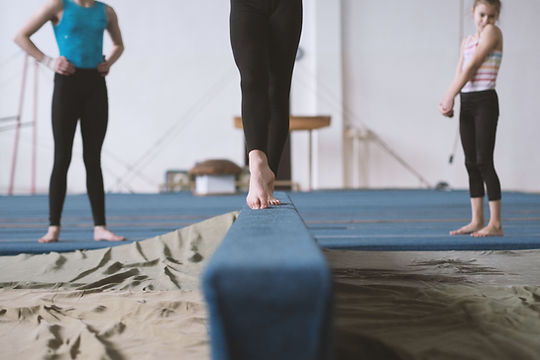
268	289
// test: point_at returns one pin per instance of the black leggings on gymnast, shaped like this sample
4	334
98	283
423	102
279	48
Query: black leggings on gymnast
80	96
478	126
264	38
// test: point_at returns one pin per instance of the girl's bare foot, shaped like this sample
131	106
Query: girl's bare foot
52	235
467	229
494	227
102	234
272	199
261	181
477	219
489	230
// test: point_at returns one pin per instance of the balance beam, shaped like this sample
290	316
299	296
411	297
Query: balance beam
268	289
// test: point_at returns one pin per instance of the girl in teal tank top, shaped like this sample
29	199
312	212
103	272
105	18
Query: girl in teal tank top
80	93
79	33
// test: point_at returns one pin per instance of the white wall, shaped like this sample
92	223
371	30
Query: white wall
163	88
384	65
399	58
172	95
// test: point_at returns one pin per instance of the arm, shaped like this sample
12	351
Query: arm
448	110
48	12
118	44
489	39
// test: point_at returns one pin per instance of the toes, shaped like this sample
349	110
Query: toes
111	237
108	236
253	204
44	240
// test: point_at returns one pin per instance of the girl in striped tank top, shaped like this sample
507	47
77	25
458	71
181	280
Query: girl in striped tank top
475	79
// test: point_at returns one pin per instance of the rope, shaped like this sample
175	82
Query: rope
43	143
460	32
343	110
176	128
10	118
14	127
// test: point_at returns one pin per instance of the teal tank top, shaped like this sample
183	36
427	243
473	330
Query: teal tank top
79	34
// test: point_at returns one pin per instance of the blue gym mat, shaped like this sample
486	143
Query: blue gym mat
420	220
355	219
23	219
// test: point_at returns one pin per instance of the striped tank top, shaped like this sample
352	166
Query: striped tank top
485	77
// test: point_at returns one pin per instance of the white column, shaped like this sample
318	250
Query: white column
328	166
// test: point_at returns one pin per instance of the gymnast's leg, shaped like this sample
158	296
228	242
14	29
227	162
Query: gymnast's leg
249	40
284	36
93	128
467	130
264	38
65	114
486	124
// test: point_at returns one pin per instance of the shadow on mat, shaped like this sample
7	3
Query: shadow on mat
350	346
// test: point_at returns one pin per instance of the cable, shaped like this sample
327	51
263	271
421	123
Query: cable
177	127
15	126
43	143
456	138
331	99
10	118
454	148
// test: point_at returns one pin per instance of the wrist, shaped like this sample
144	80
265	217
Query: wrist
48	62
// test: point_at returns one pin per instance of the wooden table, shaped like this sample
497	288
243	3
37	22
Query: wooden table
308	123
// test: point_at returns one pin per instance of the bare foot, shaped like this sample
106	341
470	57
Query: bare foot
467	229
272	199
261	181
102	234
260	195
489	230
52	235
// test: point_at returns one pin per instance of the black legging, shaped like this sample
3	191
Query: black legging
478	126
80	96
264	38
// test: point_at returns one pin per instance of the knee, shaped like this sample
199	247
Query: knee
485	167
472	167
61	162
253	80
279	92
92	163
